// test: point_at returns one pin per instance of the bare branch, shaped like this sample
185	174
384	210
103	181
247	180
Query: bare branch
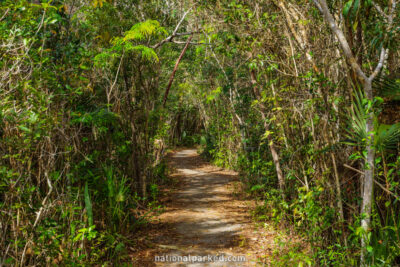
342	39
383	55
192	43
384	52
5	14
180	22
318	6
175	32
115	81
185	33
171	79
376	182
392	9
379	9
39	213
353	169
386	190
170	38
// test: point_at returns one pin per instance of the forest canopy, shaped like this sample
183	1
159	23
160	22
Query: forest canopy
301	98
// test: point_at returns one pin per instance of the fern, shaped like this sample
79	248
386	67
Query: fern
129	43
146	52
105	57
143	30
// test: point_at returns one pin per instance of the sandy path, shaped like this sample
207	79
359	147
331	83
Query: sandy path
203	218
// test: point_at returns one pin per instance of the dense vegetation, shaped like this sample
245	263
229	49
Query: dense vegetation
301	97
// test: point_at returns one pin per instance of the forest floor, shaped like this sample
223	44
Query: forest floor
205	214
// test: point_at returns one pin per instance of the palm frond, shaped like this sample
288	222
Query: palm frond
356	133
386	136
387	87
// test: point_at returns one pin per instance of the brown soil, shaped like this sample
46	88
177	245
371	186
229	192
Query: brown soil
204	216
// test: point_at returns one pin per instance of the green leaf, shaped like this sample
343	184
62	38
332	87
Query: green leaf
24	128
146	52
257	187
143	30
347	7
356	7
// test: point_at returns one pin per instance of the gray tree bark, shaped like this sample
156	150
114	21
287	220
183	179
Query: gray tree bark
367	196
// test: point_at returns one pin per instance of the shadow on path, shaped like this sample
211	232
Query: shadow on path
201	219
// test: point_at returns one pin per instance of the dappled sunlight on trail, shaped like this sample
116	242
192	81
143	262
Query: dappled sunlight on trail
203	218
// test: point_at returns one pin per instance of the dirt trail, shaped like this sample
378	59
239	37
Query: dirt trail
204	218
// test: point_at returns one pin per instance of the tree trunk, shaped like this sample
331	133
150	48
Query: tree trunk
171	79
274	153
367	196
367	193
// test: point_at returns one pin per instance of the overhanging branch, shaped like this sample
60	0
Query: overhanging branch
175	32
171	37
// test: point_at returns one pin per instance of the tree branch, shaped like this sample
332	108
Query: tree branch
5	14
342	39
384	52
175	32
180	22
392	9
171	79
379	67
170	38
379	9
192	43
318	6
376	182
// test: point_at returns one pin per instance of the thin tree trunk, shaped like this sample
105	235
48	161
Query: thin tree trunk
171	79
368	193
274	153
366	81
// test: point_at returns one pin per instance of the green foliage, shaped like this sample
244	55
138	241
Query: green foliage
386	136
387	87
83	131
288	253
146	52
60	123
129	43
118	197
141	31
357	119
